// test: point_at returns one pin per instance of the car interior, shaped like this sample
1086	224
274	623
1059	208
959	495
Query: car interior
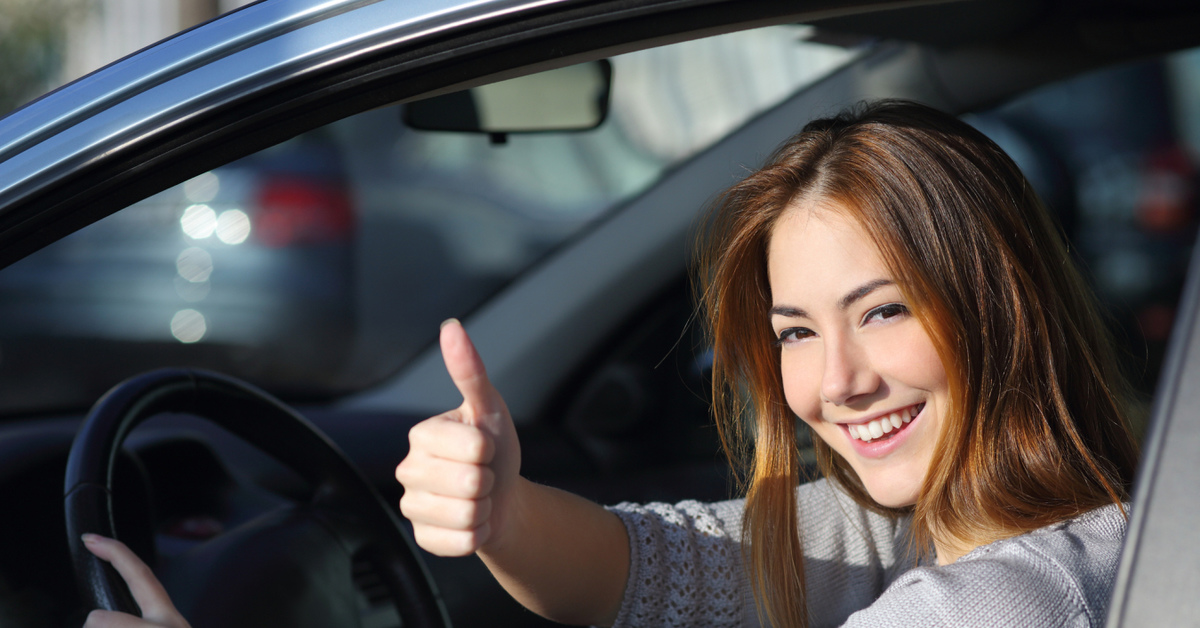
314	255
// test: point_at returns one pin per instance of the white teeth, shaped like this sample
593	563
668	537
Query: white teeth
867	432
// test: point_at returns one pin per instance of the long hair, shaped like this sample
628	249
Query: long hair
1036	431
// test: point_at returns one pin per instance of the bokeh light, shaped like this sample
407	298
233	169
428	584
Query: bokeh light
233	227
198	221
188	326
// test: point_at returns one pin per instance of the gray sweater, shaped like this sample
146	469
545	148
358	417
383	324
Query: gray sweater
686	569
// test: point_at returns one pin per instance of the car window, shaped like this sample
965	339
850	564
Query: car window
323	264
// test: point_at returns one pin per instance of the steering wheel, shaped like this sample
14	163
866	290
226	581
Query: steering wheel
290	567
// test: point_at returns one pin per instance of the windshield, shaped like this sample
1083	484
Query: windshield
323	264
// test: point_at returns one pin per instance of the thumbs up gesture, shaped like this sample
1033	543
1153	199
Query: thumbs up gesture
462	467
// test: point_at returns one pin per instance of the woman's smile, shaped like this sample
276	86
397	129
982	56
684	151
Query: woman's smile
857	366
885	426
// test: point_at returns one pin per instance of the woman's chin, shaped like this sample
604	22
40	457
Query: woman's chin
890	496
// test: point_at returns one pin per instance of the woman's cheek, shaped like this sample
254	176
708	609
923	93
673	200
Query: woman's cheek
908	356
801	387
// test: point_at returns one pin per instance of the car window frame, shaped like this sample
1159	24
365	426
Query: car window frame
1156	581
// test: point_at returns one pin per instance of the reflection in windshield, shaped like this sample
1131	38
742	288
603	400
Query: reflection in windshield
323	264
673	101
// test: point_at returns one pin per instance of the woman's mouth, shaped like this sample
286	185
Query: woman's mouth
885	426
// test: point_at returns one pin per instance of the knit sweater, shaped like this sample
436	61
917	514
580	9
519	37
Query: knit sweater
686	569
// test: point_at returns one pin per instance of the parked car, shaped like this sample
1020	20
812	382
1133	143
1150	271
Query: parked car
351	234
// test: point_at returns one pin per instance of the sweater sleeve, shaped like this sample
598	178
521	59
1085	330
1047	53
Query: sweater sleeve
686	560
684	565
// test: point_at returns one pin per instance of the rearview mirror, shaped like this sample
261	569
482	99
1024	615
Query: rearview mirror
574	98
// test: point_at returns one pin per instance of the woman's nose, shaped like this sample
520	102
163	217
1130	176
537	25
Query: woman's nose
847	374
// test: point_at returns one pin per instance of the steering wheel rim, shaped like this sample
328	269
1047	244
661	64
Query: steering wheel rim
260	420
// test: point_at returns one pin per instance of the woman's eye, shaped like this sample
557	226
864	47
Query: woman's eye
792	334
885	312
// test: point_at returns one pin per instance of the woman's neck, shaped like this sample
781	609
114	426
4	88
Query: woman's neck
949	549
947	555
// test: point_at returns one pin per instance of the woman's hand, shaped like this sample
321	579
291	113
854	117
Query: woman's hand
157	609
559	555
461	474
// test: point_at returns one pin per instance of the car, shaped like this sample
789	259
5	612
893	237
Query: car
564	249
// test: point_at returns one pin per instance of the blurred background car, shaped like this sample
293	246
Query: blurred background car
242	259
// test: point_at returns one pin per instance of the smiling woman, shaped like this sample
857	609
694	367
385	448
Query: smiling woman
906	268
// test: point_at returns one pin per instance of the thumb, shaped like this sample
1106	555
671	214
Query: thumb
480	399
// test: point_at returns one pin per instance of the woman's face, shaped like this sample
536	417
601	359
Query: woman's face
857	365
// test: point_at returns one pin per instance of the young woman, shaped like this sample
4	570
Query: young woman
890	279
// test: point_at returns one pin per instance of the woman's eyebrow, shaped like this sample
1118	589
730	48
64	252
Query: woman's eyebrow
862	291
788	311
843	303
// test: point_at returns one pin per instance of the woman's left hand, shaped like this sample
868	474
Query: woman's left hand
157	609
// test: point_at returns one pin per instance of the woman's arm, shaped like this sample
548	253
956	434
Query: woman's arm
565	558
559	555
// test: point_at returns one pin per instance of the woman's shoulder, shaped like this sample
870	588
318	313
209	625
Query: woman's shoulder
1086	544
1060	575
1077	558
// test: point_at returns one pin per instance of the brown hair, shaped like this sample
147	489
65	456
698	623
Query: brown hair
1036	432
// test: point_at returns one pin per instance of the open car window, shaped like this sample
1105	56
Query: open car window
321	265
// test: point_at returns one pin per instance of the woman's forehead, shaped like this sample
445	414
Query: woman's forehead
816	250
818	224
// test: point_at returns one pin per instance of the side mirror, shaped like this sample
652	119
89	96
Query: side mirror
574	98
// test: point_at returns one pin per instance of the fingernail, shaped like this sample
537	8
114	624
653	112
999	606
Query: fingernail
91	538
448	321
